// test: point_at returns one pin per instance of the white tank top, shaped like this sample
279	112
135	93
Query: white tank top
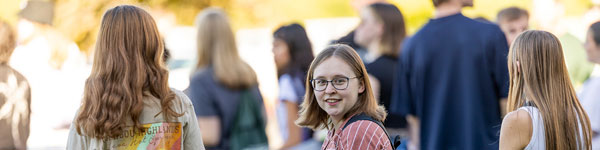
538	140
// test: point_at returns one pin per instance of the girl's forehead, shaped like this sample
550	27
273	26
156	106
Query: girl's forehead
332	67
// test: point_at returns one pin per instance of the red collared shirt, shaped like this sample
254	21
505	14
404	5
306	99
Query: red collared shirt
362	134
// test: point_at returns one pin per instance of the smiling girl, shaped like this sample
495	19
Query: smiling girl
337	89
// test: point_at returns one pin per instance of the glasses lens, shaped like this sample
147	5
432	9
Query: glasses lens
319	84
340	83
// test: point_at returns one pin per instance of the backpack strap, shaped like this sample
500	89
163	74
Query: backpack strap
394	141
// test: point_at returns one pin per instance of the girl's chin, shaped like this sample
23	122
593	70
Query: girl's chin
334	113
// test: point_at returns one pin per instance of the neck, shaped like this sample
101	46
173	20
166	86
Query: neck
373	51
447	9
337	122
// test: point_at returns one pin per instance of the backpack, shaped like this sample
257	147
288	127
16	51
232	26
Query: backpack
394	141
248	129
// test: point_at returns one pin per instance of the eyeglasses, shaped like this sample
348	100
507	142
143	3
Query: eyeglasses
340	83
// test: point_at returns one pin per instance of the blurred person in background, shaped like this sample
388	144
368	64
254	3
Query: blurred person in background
546	113
348	39
293	54
551	15
221	82
338	90
381	32
590	92
127	97
15	96
452	80
48	60
513	21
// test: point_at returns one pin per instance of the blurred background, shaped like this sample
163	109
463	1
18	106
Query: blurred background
56	39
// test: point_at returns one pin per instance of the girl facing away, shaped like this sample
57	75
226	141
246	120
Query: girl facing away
127	103
220	82
546	113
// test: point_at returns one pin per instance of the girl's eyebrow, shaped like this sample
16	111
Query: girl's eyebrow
334	76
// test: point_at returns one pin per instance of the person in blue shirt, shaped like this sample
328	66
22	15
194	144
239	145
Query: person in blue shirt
452	78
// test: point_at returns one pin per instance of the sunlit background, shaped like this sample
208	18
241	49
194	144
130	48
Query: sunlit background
56	58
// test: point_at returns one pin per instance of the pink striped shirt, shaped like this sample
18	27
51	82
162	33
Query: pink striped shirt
362	135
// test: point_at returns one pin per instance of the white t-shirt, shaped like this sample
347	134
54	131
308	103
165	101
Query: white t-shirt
287	92
183	133
590	100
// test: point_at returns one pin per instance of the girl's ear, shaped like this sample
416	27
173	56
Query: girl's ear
361	87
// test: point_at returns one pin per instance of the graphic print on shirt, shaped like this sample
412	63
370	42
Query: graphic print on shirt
153	136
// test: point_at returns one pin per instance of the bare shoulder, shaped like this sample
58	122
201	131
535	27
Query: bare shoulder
516	130
519	118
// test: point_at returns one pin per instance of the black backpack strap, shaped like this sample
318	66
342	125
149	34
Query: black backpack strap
394	141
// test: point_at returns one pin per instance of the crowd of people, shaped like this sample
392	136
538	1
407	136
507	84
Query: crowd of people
457	83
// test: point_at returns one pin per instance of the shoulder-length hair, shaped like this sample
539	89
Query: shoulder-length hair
538	74
312	116
299	48
394	30
127	67
217	48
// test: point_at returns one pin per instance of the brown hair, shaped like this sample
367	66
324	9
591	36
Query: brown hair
543	79
312	116
394	30
511	14
217	48
127	66
7	42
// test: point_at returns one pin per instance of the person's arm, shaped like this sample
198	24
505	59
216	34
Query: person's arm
375	86
210	127
205	110
403	102
516	131
503	105
413	131
294	131
500	75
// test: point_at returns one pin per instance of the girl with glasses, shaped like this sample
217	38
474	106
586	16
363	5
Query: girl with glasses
337	89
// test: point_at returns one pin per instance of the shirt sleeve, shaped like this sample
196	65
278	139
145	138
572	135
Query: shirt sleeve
364	135
499	64
75	140
202	99
286	89
402	102
192	135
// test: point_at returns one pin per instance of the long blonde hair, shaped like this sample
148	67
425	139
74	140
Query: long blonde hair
538	74
127	67
217	48
312	116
